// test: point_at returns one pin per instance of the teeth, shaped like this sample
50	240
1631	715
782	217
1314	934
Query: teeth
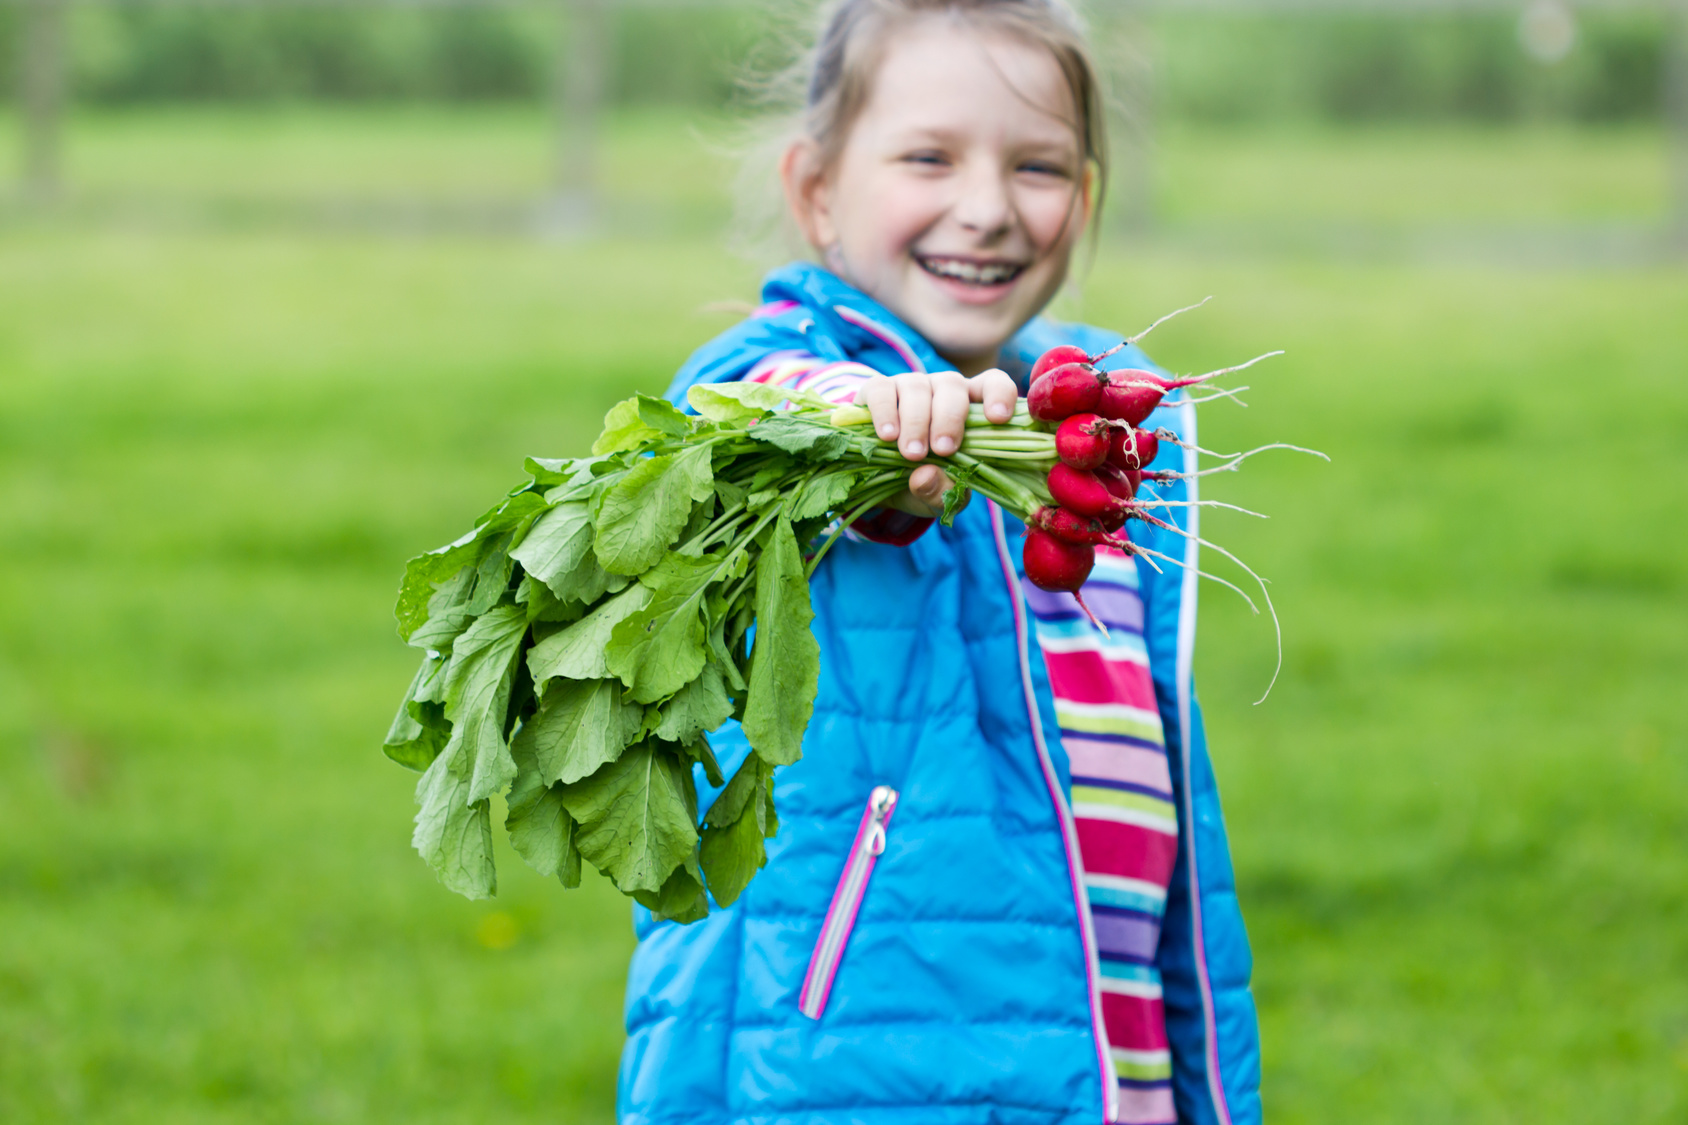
993	273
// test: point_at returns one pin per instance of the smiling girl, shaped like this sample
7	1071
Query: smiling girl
1001	888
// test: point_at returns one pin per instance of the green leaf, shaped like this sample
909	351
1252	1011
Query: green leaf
557	543
540	828
578	651
636	817
681	898
418	732
732	849
477	697
955	497
814	441
424	573
719	614
734	402
624	429
821	494
544	606
511	513
548	472
492	577
731	857
746	784
447	613
581	725
639	517
454	833
785	664
660	414
697	708
660	649
698	750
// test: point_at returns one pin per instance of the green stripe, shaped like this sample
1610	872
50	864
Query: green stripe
1142	1072
1123	799
1149	731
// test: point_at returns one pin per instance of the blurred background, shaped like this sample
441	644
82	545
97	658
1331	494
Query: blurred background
288	289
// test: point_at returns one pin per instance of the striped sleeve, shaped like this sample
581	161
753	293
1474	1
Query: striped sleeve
835	381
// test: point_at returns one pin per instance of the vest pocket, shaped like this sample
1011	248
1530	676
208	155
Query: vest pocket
846	901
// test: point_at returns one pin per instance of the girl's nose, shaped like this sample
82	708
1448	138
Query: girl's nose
983	205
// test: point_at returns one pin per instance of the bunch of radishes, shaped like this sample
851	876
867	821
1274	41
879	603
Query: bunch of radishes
1104	458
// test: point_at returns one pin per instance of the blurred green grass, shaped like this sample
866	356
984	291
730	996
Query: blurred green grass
1457	821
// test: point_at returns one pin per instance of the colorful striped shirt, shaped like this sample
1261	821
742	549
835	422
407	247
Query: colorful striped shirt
1122	805
1122	785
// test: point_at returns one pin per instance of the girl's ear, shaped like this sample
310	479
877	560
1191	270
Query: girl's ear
807	193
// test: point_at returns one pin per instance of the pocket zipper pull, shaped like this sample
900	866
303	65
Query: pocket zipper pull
846	901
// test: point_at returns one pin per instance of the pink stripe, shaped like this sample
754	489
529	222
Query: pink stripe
1069	836
1113	762
890	338
1126	850
774	308
1089	677
1135	1023
1146	1106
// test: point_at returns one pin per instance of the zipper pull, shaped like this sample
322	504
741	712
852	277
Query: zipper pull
879	806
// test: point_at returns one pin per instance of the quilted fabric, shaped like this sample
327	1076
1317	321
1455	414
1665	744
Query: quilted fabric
965	992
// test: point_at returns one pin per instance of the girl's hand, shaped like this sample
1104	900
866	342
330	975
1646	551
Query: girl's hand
928	413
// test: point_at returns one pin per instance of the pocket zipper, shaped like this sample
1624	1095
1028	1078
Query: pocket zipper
846	901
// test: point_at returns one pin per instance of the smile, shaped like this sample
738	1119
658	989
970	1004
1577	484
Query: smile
970	272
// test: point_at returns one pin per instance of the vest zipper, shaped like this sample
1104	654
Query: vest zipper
846	901
1063	814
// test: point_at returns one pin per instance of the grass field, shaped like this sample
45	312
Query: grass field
1457	821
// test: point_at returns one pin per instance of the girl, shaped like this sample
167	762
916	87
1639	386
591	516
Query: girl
1000	891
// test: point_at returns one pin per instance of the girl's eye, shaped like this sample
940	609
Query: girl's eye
1044	168
926	157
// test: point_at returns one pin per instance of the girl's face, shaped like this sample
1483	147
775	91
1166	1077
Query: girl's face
960	189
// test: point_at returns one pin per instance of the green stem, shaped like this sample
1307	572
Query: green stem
872	501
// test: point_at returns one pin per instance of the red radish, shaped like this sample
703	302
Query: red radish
1081	492
1072	388
1058	356
1052	564
1070	527
1082	441
1132	394
1113	521
1132	449
1120	483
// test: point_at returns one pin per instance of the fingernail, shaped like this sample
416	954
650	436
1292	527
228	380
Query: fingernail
887	431
943	446
916	449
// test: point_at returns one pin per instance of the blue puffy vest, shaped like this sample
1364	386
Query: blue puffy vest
965	987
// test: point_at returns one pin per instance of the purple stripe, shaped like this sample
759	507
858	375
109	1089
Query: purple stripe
1122	786
1115	605
1119	739
1127	935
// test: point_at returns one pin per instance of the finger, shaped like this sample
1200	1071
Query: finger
997	391
880	398
928	485
914	414
949	412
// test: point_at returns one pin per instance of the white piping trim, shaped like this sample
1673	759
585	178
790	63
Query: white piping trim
1186	655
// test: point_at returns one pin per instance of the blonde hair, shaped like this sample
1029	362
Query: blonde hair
830	81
